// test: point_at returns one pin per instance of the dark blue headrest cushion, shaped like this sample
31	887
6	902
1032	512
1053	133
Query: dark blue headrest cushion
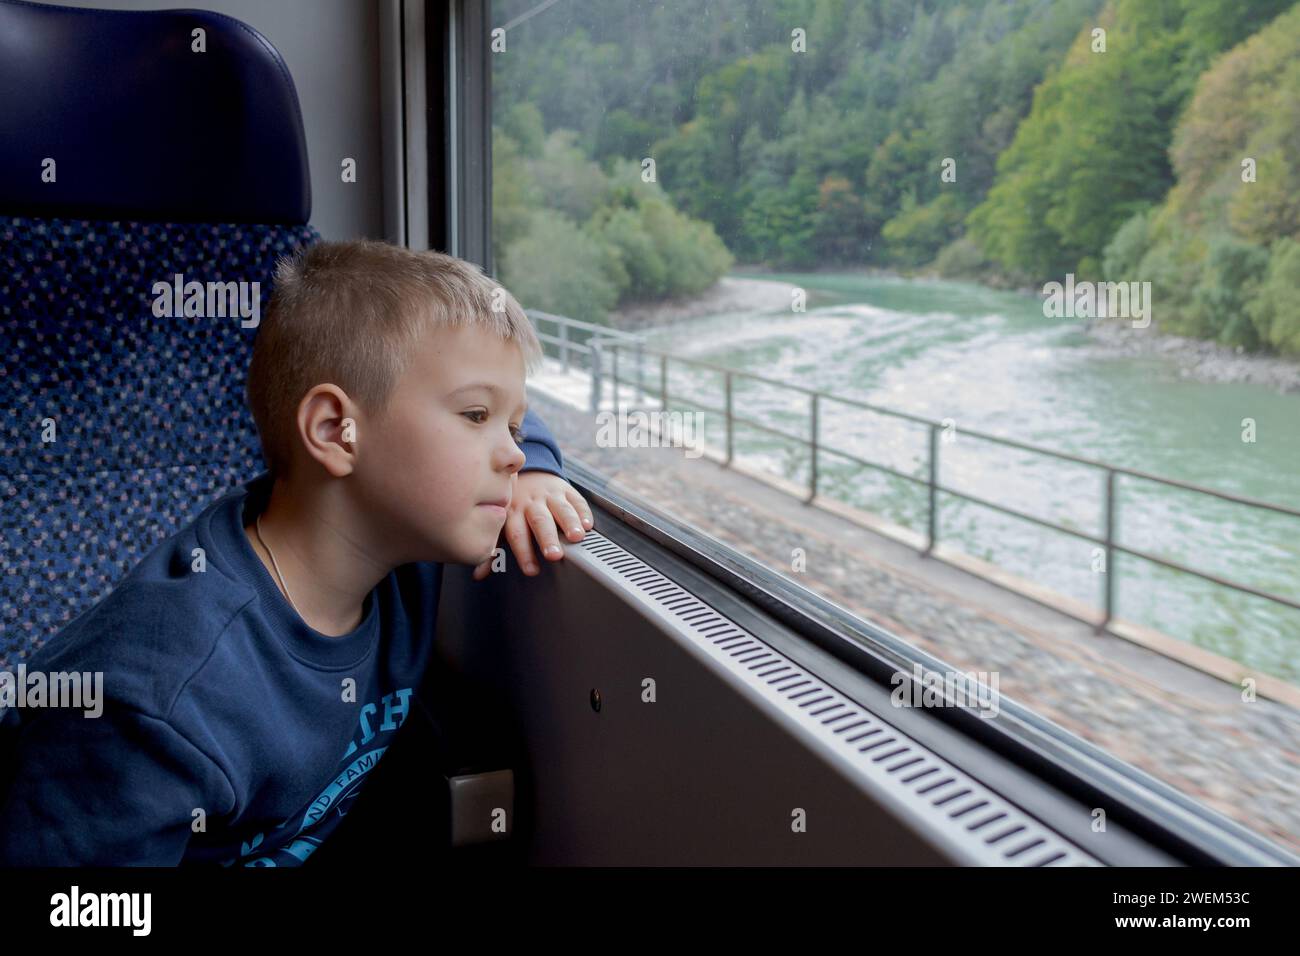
142	127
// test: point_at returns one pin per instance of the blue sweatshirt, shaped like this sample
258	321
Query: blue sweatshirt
231	731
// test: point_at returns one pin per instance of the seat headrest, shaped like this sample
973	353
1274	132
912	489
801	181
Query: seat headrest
146	119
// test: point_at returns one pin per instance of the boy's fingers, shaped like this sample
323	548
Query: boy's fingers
542	517
520	541
566	516
580	505
543	525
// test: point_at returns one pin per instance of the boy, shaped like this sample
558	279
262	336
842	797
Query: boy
257	663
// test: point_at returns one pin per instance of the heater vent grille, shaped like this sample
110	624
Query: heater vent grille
990	830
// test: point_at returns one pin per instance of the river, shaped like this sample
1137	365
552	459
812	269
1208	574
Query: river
991	361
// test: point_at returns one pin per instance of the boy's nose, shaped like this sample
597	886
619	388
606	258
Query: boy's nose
517	458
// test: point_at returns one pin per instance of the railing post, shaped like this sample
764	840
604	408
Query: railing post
597	379
663	382
729	440
1109	570
640	379
933	483
564	345
618	399
812	477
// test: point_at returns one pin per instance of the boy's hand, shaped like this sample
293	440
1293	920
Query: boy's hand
544	502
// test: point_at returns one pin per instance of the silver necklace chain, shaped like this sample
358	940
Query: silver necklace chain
274	564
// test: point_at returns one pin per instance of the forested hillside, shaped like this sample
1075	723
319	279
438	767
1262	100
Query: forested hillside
1006	141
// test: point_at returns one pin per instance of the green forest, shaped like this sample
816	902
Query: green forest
642	149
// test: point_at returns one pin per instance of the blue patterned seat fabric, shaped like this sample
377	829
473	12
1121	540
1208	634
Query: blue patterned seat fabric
119	425
146	413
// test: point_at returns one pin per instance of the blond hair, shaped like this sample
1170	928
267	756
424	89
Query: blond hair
351	313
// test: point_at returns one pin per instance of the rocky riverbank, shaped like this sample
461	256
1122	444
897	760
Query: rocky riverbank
1197	359
728	294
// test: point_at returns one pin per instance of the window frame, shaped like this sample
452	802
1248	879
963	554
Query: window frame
459	123
460	215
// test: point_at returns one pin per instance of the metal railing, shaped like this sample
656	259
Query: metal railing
602	339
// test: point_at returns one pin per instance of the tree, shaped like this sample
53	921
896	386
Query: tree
557	267
842	227
1275	307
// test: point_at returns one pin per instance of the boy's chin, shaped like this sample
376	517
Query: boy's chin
459	554
482	556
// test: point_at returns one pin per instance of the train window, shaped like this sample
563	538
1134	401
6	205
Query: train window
914	304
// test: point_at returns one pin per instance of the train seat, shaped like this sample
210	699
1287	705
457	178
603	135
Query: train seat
139	146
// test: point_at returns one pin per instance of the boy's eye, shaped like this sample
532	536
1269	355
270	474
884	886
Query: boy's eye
477	416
